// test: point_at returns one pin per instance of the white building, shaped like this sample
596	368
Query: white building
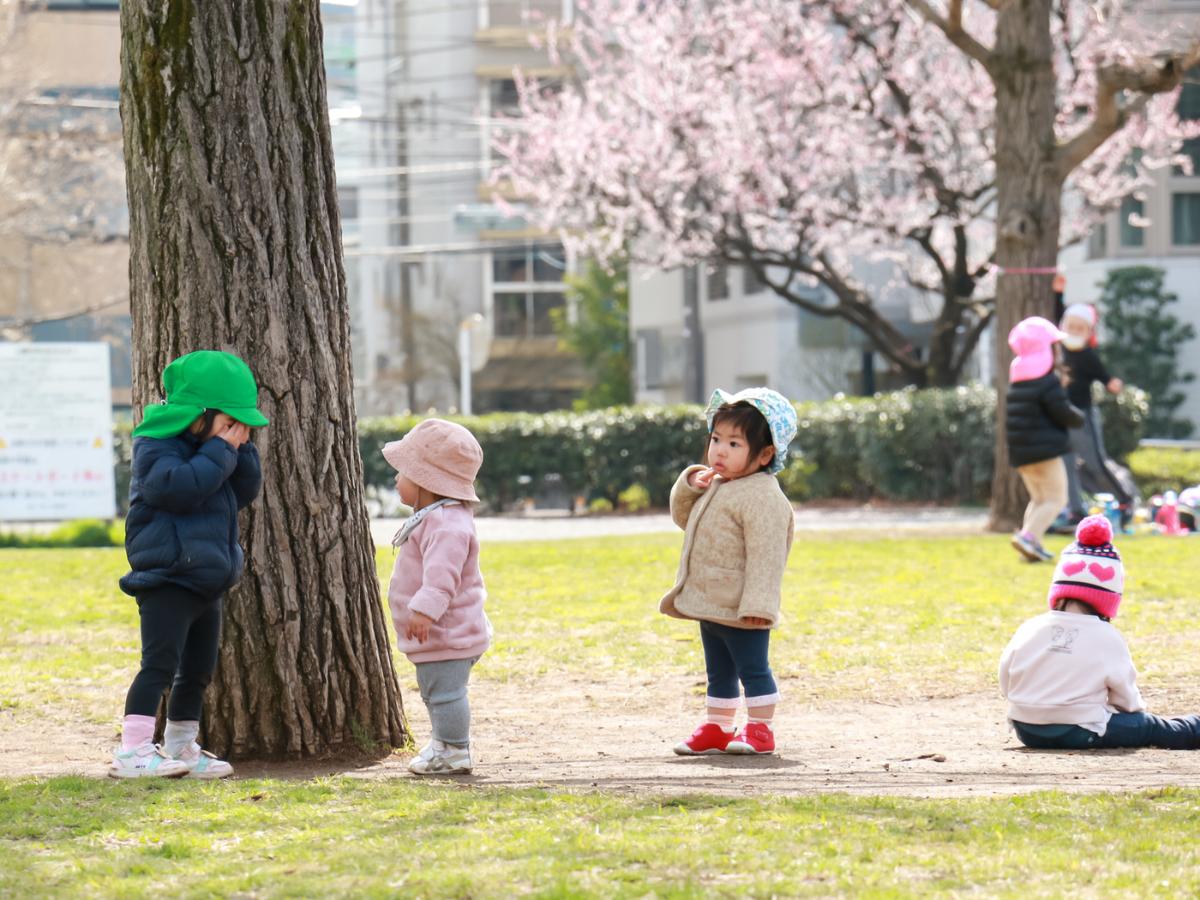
1159	227
749	336
430	249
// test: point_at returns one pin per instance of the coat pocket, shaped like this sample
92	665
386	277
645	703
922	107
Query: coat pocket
720	584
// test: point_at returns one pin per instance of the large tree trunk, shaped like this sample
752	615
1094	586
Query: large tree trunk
1029	200
235	244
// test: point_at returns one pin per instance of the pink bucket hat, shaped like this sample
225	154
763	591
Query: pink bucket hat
1090	569
1032	341
440	456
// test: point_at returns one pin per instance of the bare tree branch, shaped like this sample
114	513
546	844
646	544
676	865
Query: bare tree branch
971	339
952	27
108	303
1145	78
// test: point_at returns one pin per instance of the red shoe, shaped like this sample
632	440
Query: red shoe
754	738
709	738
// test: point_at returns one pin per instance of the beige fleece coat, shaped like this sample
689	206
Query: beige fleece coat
737	535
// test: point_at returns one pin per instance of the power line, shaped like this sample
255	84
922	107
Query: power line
462	248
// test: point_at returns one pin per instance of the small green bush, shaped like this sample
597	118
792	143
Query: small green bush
634	498
1160	469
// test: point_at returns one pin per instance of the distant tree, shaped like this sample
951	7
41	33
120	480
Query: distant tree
798	137
1142	344
599	335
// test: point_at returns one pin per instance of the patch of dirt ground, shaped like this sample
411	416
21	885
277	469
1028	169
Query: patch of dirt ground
617	735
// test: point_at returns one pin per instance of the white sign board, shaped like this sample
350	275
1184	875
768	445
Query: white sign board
56	453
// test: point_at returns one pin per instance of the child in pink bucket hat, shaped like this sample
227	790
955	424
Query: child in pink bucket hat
436	593
1067	674
1037	417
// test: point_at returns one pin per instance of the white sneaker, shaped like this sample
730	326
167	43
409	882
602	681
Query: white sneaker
202	764
437	758
147	760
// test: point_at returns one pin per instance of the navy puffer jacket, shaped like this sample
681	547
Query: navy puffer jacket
1037	420
182	527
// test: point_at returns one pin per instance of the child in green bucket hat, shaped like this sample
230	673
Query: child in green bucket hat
194	467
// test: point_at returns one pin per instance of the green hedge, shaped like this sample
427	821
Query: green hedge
79	533
1158	470
596	454
931	445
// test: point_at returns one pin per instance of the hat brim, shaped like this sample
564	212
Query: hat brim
782	443
420	473
248	415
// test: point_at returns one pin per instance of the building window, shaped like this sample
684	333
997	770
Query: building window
1097	245
1189	110
1185	219
504	100
717	282
649	358
1133	227
526	288
751	283
523	13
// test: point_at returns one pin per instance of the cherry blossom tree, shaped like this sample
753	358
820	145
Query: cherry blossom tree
802	139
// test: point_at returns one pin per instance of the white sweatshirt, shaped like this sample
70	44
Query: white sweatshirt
1063	668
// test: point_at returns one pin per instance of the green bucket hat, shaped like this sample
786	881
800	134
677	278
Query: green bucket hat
206	379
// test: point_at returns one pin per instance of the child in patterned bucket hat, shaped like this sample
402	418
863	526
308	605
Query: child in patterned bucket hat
1067	674
738	531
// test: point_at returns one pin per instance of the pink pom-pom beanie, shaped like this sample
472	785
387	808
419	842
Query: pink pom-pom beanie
1090	569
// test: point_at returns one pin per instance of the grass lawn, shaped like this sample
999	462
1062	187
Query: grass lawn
83	837
866	617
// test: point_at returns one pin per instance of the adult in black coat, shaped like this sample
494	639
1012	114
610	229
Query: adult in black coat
1039	415
1087	457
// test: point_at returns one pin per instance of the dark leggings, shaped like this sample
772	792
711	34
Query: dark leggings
733	654
180	635
1138	729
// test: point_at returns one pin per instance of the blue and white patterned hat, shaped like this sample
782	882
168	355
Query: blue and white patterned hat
776	409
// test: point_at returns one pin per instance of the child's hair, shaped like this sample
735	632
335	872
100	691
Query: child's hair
746	418
208	417
1061	604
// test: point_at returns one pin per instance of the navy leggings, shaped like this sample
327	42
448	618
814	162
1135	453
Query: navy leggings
180	635
1137	729
737	654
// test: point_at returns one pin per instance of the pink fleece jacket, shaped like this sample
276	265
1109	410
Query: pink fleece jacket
437	573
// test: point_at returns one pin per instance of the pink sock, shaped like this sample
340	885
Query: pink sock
136	731
722	717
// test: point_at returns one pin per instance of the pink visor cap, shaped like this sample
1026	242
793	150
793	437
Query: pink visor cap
1033	340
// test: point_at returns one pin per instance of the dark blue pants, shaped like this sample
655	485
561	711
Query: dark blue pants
737	654
180	635
1138	729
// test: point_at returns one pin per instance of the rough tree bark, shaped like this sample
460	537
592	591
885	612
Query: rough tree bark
235	244
1029	184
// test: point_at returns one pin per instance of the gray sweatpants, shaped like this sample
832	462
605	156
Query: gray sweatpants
443	687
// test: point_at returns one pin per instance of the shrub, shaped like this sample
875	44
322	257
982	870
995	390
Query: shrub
80	533
1160	469
634	498
931	445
